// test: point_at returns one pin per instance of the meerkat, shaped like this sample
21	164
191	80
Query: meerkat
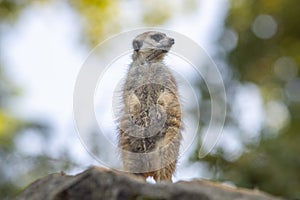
150	125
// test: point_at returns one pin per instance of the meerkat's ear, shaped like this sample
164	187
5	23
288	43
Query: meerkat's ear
137	44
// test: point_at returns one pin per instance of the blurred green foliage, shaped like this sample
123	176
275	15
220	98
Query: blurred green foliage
100	19
267	54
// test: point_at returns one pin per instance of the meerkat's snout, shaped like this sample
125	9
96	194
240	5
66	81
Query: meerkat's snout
166	45
172	41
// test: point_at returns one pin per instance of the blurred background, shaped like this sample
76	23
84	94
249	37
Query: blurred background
255	44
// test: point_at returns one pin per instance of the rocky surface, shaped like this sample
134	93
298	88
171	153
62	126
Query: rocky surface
99	183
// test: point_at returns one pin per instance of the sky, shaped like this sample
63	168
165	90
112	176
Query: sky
43	56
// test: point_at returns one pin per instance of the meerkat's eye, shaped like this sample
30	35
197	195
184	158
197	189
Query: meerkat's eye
157	37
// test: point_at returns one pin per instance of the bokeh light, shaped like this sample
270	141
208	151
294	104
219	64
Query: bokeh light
264	26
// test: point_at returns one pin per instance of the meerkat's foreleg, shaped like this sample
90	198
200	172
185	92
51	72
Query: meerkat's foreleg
168	148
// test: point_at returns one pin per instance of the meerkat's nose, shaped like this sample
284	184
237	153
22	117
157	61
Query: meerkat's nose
172	40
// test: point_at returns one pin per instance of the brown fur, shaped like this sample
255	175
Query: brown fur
150	127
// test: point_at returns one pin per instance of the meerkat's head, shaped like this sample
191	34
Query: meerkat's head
151	46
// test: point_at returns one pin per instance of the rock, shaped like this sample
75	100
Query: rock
99	183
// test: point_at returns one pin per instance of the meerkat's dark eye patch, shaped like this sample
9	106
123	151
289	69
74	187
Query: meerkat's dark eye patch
157	37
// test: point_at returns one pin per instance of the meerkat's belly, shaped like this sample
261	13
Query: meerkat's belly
147	117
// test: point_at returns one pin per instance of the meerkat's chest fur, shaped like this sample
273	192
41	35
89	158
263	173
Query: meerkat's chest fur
144	86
